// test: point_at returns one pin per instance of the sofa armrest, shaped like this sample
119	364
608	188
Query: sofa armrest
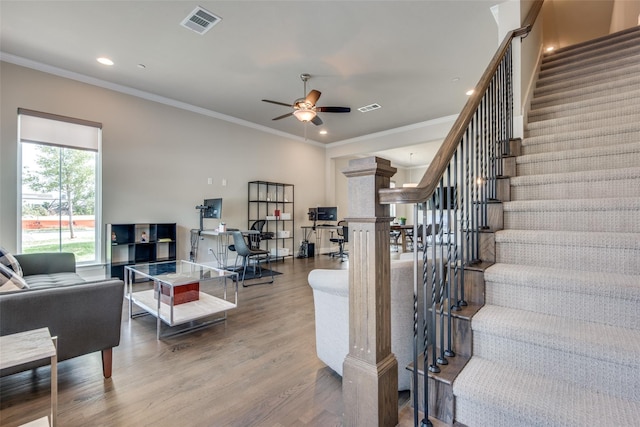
334	282
86	317
47	263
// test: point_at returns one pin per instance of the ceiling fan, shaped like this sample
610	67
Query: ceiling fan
305	109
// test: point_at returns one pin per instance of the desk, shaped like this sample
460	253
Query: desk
29	346
308	229
403	233
221	238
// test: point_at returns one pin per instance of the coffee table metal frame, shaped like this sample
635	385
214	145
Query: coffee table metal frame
173	274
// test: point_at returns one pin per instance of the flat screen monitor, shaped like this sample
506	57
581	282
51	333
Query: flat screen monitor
214	208
327	213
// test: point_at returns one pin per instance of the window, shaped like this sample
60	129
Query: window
59	185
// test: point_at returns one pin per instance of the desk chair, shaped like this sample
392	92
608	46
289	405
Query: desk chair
394	235
248	255
341	239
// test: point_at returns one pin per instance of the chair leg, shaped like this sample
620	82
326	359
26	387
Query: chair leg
254	272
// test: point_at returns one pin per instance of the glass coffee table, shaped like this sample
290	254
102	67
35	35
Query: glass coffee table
180	293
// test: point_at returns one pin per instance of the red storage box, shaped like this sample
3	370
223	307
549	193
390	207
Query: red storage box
181	294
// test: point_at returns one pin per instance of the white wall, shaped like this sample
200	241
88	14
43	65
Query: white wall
157	158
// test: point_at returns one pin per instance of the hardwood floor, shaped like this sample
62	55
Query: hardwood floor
258	368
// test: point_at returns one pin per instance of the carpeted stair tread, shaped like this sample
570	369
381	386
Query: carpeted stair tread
593	251
609	135
588	77
629	241
574	337
591	119
594	46
599	89
593	66
577	124
571	348
602	157
490	394
621	214
609	298
579	177
607	101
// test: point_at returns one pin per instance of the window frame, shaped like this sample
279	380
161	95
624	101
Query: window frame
95	146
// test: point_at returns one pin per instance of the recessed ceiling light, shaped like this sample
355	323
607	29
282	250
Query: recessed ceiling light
469	92
323	132
549	49
142	66
455	79
104	60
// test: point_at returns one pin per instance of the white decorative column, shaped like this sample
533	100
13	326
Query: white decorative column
370	370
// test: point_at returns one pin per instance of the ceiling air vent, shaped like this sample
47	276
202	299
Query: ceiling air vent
369	107
200	20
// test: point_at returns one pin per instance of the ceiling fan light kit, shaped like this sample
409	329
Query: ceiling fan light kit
304	114
305	109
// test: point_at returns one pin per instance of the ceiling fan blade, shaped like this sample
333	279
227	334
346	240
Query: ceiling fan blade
317	121
283	116
333	109
277	102
313	97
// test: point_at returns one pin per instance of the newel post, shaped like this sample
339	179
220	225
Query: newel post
370	370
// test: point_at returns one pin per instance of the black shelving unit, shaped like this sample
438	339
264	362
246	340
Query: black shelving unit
129	244
273	202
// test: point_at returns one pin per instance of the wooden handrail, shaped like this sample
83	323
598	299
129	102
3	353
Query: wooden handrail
436	169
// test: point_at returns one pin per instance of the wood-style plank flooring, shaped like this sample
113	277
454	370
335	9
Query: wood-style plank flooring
259	368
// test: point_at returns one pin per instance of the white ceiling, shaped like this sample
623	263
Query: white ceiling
414	58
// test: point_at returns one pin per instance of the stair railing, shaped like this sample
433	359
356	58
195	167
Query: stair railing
454	194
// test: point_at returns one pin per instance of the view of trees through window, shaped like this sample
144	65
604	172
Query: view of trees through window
59	200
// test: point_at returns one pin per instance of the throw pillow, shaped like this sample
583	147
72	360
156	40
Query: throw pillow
10	281
10	261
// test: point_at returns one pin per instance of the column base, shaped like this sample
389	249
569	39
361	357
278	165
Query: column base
363	406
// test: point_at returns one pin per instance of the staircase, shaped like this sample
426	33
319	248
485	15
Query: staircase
558	340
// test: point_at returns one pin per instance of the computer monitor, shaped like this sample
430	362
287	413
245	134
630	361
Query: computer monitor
214	208
327	213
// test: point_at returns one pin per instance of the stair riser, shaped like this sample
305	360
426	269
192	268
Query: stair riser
585	258
599	44
577	190
576	141
579	65
441	402
460	335
611	161
607	120
553	84
562	364
473	413
618	312
595	91
628	112
474	287
604	103
588	221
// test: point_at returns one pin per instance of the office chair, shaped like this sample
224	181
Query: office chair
253	239
341	239
248	255
394	235
408	235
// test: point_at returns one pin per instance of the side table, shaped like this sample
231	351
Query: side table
24	347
